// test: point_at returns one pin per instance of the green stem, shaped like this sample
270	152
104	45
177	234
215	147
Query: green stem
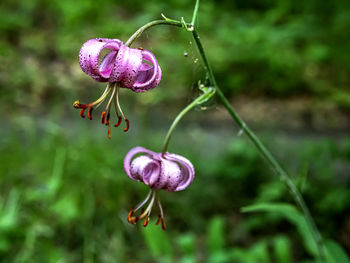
251	135
195	12
149	25
206	95
263	150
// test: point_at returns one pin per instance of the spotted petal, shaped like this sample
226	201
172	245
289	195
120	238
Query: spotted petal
149	75
187	170
128	158
89	57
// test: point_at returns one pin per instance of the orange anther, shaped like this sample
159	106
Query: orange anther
145	223
103	115
130	215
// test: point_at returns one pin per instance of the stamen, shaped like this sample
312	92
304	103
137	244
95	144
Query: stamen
130	215
163	223
103	115
161	216
149	207
121	112
144	213
90	113
145	223
77	105
141	204
127	125
119	121
82	112
107	119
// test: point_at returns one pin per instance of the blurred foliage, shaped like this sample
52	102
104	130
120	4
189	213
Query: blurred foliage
64	196
275	48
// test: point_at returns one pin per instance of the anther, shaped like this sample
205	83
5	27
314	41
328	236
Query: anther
107	119
145	223
103	115
158	220
163	223
76	104
119	121
82	112
90	113
131	213
127	125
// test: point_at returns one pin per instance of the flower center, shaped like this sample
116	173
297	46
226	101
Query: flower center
146	213
113	89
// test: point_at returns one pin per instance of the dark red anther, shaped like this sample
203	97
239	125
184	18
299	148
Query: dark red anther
127	125
119	121
158	221
163	223
82	112
140	48
103	115
90	113
107	119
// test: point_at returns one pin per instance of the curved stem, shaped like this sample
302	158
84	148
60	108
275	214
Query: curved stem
263	150
195	12
206	95
149	25
251	135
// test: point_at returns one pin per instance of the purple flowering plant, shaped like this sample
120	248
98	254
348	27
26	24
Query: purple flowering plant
112	61
109	60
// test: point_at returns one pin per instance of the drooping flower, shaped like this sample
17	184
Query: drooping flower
167	171
109	60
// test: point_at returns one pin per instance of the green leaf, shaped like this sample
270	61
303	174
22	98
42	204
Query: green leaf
215	236
291	214
281	249
258	253
335	253
157	242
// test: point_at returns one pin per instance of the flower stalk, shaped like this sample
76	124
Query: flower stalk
277	168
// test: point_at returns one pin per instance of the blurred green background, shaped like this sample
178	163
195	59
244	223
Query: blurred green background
285	66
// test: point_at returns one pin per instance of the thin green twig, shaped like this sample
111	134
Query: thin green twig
251	135
262	149
149	25
205	96
195	12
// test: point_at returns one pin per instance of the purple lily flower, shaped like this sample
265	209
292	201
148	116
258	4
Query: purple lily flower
167	171
109	60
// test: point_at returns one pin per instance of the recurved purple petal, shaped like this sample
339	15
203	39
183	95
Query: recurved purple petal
130	155
144	168
126	67
149	75
89	57
170	175
187	170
